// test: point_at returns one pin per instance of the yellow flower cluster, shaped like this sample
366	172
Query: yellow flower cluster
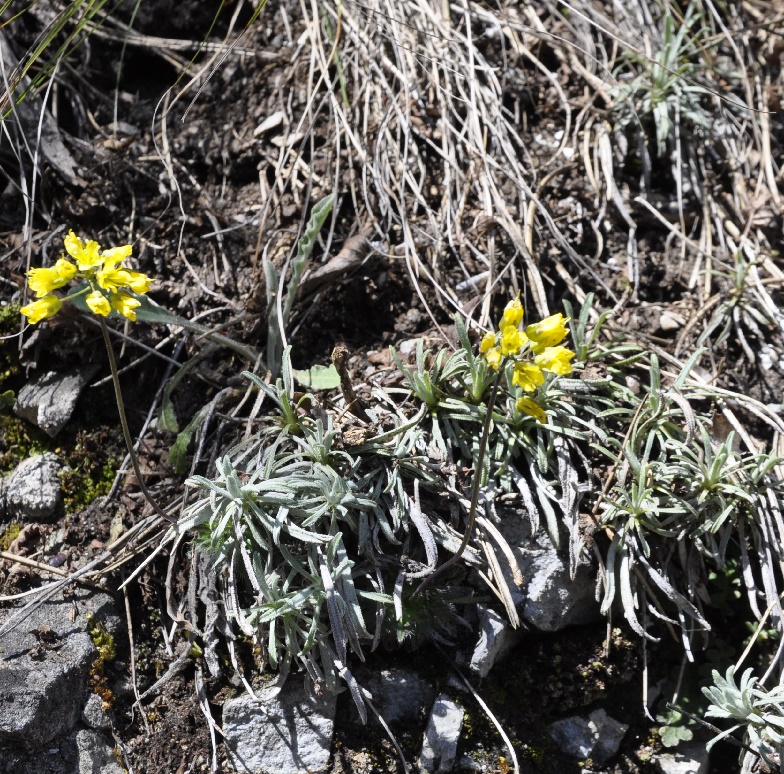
541	340
111	286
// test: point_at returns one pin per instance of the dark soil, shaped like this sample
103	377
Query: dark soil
202	239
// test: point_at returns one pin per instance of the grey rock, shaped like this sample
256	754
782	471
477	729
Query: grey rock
400	695
58	757
496	638
34	492
610	733
439	746
4	481
45	662
93	715
407	347
597	737
467	763
96	756
574	736
289	732
686	758
49	401
549	600
83	752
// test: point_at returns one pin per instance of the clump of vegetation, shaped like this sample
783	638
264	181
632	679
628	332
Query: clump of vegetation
313	536
320	535
104	643
665	89
91	467
20	440
10	534
9	355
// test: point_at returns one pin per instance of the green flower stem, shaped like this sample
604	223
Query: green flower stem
476	486
124	423
83	292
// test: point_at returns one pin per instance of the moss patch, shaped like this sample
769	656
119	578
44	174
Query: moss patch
9	347
104	643
10	534
20	440
91	457
91	468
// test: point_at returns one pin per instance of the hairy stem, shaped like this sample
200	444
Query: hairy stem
125	429
476	486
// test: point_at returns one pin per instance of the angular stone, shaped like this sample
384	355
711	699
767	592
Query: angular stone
574	736
439	746
287	733
597	737
549	599
610	733
495	640
95	754
686	758
45	660
93	714
49	401
400	695
33	492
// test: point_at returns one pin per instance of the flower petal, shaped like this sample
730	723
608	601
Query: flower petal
86	254
513	314
528	376
494	358
98	303
126	305
548	332
512	340
48	306
532	408
488	340
138	282
117	254
44	281
556	360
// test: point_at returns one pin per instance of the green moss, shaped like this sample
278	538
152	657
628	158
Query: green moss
533	755
11	533
90	474
101	638
20	440
91	462
9	352
104	643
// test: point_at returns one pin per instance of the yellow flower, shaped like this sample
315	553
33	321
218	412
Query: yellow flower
532	408
98	303
513	314
493	357
547	333
556	360
512	340
117	254
86	254
528	376
126	305
111	278
48	306
43	281
65	269
488	340
138	282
